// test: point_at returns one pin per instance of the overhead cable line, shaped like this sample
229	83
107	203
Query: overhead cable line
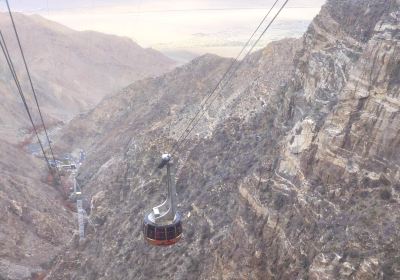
235	66
10	64
205	100
30	80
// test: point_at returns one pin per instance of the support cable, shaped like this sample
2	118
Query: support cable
30	80
17	83
215	89
196	119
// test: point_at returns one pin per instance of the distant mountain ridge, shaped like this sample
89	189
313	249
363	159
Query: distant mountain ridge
72	71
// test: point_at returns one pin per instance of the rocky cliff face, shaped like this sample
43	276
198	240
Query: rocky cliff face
34	224
295	177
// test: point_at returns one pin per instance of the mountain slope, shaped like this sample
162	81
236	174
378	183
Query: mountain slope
122	146
34	224
72	71
306	186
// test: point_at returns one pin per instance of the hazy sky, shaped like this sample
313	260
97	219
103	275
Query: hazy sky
199	26
35	5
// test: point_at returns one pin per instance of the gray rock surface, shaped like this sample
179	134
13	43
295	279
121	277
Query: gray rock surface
34	225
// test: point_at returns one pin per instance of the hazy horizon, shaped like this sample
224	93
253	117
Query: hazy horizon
220	27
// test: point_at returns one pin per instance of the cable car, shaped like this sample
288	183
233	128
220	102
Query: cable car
163	226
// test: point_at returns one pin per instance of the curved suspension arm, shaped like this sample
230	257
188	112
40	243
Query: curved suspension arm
167	210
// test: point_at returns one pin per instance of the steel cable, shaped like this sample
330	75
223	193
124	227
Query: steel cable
17	83
30	80
181	140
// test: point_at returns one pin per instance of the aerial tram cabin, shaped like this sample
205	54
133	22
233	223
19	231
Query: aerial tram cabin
163	226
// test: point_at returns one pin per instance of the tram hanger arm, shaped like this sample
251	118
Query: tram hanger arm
165	158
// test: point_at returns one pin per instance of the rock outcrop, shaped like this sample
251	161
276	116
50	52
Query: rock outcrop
35	226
